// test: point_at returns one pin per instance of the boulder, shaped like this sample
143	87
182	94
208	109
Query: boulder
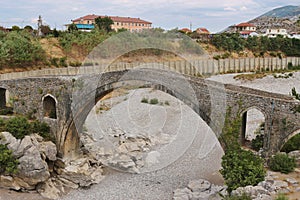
253	191
80	172
292	181
182	194
10	140
199	185
32	168
8	182
48	149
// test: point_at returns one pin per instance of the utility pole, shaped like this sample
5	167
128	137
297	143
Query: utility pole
40	23
191	27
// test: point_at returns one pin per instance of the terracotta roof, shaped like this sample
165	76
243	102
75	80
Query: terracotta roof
185	30
245	25
202	30
114	18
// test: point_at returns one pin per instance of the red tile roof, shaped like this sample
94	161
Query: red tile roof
186	30
114	18
202	30
245	25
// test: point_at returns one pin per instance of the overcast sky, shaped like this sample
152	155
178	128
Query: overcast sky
215	15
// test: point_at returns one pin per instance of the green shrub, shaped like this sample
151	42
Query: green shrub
292	145
243	197
167	103
282	163
2	125
8	163
281	197
241	168
63	62
42	129
19	127
144	100
154	101
6	111
258	142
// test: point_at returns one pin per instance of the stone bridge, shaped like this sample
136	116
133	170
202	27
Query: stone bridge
65	101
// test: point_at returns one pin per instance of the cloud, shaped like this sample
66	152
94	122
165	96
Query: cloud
230	9
243	8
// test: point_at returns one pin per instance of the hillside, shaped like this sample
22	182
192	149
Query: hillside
286	17
283	12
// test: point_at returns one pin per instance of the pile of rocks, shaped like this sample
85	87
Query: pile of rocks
265	190
129	152
39	168
200	190
32	153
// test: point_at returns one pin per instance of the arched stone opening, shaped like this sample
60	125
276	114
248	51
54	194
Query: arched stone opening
3	98
291	143
49	106
253	128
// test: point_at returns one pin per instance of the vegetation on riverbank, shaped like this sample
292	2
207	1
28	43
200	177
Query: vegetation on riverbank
239	167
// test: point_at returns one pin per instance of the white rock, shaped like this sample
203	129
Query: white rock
49	149
292	181
199	185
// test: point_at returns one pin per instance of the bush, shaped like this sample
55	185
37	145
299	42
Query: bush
19	127
154	101
281	197
282	163
8	163
292	145
258	142
241	168
144	100
42	129
6	111
243	197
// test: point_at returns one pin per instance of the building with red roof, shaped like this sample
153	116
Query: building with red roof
185	30
245	27
202	31
129	23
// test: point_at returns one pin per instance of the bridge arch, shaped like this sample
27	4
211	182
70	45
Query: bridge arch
49	106
182	91
290	136
247	131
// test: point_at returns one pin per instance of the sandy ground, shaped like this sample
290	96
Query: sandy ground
194	151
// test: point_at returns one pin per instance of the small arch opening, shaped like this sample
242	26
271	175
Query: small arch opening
49	105
2	98
253	126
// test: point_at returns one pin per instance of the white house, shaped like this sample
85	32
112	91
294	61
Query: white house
275	32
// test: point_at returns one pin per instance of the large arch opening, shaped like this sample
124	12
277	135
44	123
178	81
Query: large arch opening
49	106
84	108
253	128
291	143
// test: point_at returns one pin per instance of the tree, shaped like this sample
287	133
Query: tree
28	28
45	29
15	28
72	28
104	23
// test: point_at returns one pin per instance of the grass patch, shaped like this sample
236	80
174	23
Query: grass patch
144	100
154	101
250	77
